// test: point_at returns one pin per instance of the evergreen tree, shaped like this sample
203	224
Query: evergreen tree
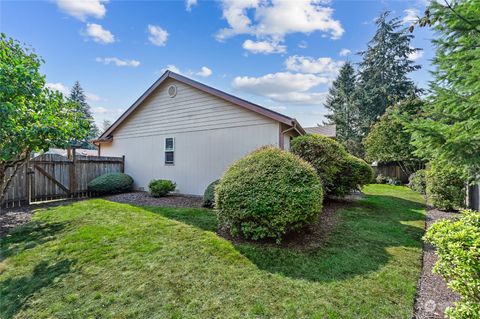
342	104
450	128
105	125
77	96
383	73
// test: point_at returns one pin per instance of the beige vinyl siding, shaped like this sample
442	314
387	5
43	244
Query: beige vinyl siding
190	110
210	134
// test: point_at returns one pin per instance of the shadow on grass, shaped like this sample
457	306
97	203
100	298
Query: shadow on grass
15	292
28	236
357	246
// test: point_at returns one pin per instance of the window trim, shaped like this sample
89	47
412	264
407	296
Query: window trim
172	150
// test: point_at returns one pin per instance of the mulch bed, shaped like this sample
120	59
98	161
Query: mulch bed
144	199
311	237
433	295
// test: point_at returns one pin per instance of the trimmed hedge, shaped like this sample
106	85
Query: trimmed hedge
418	181
161	187
268	194
458	250
339	172
354	174
209	195
445	186
111	183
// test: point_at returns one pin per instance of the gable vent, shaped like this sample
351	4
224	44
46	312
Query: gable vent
172	90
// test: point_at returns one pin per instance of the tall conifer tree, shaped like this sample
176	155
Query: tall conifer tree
341	102
77	95
383	73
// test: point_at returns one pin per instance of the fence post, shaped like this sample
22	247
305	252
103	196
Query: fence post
72	176
122	166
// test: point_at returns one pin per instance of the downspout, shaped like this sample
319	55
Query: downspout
282	134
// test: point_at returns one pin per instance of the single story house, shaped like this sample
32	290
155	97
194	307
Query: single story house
190	133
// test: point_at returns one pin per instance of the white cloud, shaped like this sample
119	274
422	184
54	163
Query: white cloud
82	9
172	68
158	36
190	3
345	52
277	18
118	62
99	34
415	55
204	72
278	108
283	87
264	47
58	87
325	66
411	15
303	44
65	90
99	110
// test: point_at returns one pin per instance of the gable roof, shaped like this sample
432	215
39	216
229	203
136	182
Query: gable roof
106	136
325	130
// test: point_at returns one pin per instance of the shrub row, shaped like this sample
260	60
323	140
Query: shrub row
339	172
458	250
443	185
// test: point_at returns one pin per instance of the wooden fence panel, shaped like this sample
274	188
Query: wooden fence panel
52	176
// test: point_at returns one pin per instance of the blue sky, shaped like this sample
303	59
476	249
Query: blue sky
280	54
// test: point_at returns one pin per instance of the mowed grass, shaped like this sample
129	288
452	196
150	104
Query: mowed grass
98	259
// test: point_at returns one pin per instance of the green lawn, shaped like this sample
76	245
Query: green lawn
97	259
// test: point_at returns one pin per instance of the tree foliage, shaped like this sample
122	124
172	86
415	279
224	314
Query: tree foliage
342	103
450	127
390	141
383	72
32	118
77	95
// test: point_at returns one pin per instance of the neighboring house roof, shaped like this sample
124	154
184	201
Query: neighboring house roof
63	152
106	137
325	130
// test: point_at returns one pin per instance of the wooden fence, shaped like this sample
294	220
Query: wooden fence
391	170
52	176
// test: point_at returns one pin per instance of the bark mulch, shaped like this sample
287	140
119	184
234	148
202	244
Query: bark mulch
433	295
310	237
144	199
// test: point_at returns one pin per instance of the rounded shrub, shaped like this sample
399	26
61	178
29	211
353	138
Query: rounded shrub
161	187
111	183
445	186
209	195
418	181
326	156
354	174
268	194
339	172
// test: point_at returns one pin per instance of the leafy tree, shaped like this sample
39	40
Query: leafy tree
450	129
389	140
383	72
32	118
77	95
343	106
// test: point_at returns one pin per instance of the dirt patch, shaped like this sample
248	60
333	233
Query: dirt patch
433	295
144	199
310	237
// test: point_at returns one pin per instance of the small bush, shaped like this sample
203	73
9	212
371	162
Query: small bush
209	195
458	250
339	172
381	179
267	194
161	187
355	173
111	183
445	186
418	181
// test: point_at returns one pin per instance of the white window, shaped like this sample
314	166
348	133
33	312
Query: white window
169	150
